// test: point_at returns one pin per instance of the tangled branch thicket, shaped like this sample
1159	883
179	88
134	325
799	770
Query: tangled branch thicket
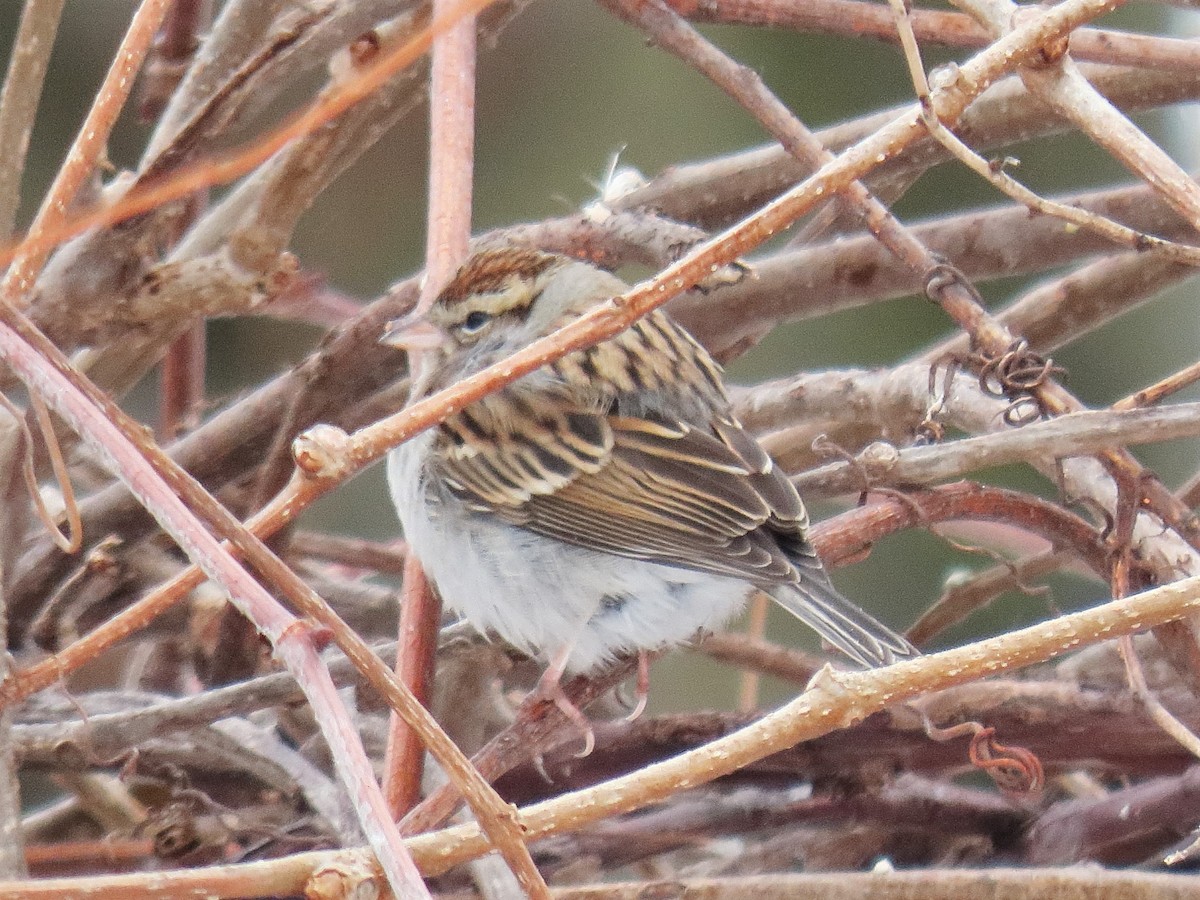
152	743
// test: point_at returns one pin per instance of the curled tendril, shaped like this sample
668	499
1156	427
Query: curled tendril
71	541
930	429
1022	411
1015	770
945	275
1017	374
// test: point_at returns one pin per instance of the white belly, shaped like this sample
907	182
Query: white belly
540	594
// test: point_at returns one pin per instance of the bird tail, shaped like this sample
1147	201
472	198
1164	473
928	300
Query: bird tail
816	602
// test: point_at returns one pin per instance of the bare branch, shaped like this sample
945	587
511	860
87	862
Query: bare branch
20	97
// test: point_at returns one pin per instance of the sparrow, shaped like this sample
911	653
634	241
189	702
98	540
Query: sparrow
609	503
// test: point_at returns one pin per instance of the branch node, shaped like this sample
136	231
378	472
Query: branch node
322	452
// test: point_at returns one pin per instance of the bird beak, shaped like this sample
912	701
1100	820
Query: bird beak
413	334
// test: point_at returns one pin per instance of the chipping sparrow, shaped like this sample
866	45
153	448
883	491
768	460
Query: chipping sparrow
608	503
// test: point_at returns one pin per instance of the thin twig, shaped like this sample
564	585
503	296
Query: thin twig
448	234
156	481
961	599
452	153
750	654
1160	390
756	628
1162	716
404	758
858	19
86	151
20	97
173	48
1076	434
1002	181
1068	92
352	552
212	172
182	389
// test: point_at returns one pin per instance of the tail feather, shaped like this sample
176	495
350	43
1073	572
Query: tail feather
816	603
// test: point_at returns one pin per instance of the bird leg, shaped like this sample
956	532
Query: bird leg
550	688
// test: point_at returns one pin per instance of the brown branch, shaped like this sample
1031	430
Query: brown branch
1124	827
189	180
975	593
1075	434
404	759
754	654
182	391
171	53
1160	390
54	214
937	884
854	270
848	536
448	233
353	552
910	805
856	19
291	876
20	97
714	193
1054	314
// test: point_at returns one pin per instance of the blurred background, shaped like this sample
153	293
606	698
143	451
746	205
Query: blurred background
564	89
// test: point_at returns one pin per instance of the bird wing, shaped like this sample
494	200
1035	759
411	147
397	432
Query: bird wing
632	486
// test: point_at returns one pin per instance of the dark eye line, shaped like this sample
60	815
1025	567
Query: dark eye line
524	310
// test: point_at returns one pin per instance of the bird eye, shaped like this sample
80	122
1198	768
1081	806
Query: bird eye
475	321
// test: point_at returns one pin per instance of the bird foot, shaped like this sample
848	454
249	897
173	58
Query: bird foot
550	689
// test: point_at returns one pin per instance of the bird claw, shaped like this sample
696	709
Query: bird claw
642	691
550	689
